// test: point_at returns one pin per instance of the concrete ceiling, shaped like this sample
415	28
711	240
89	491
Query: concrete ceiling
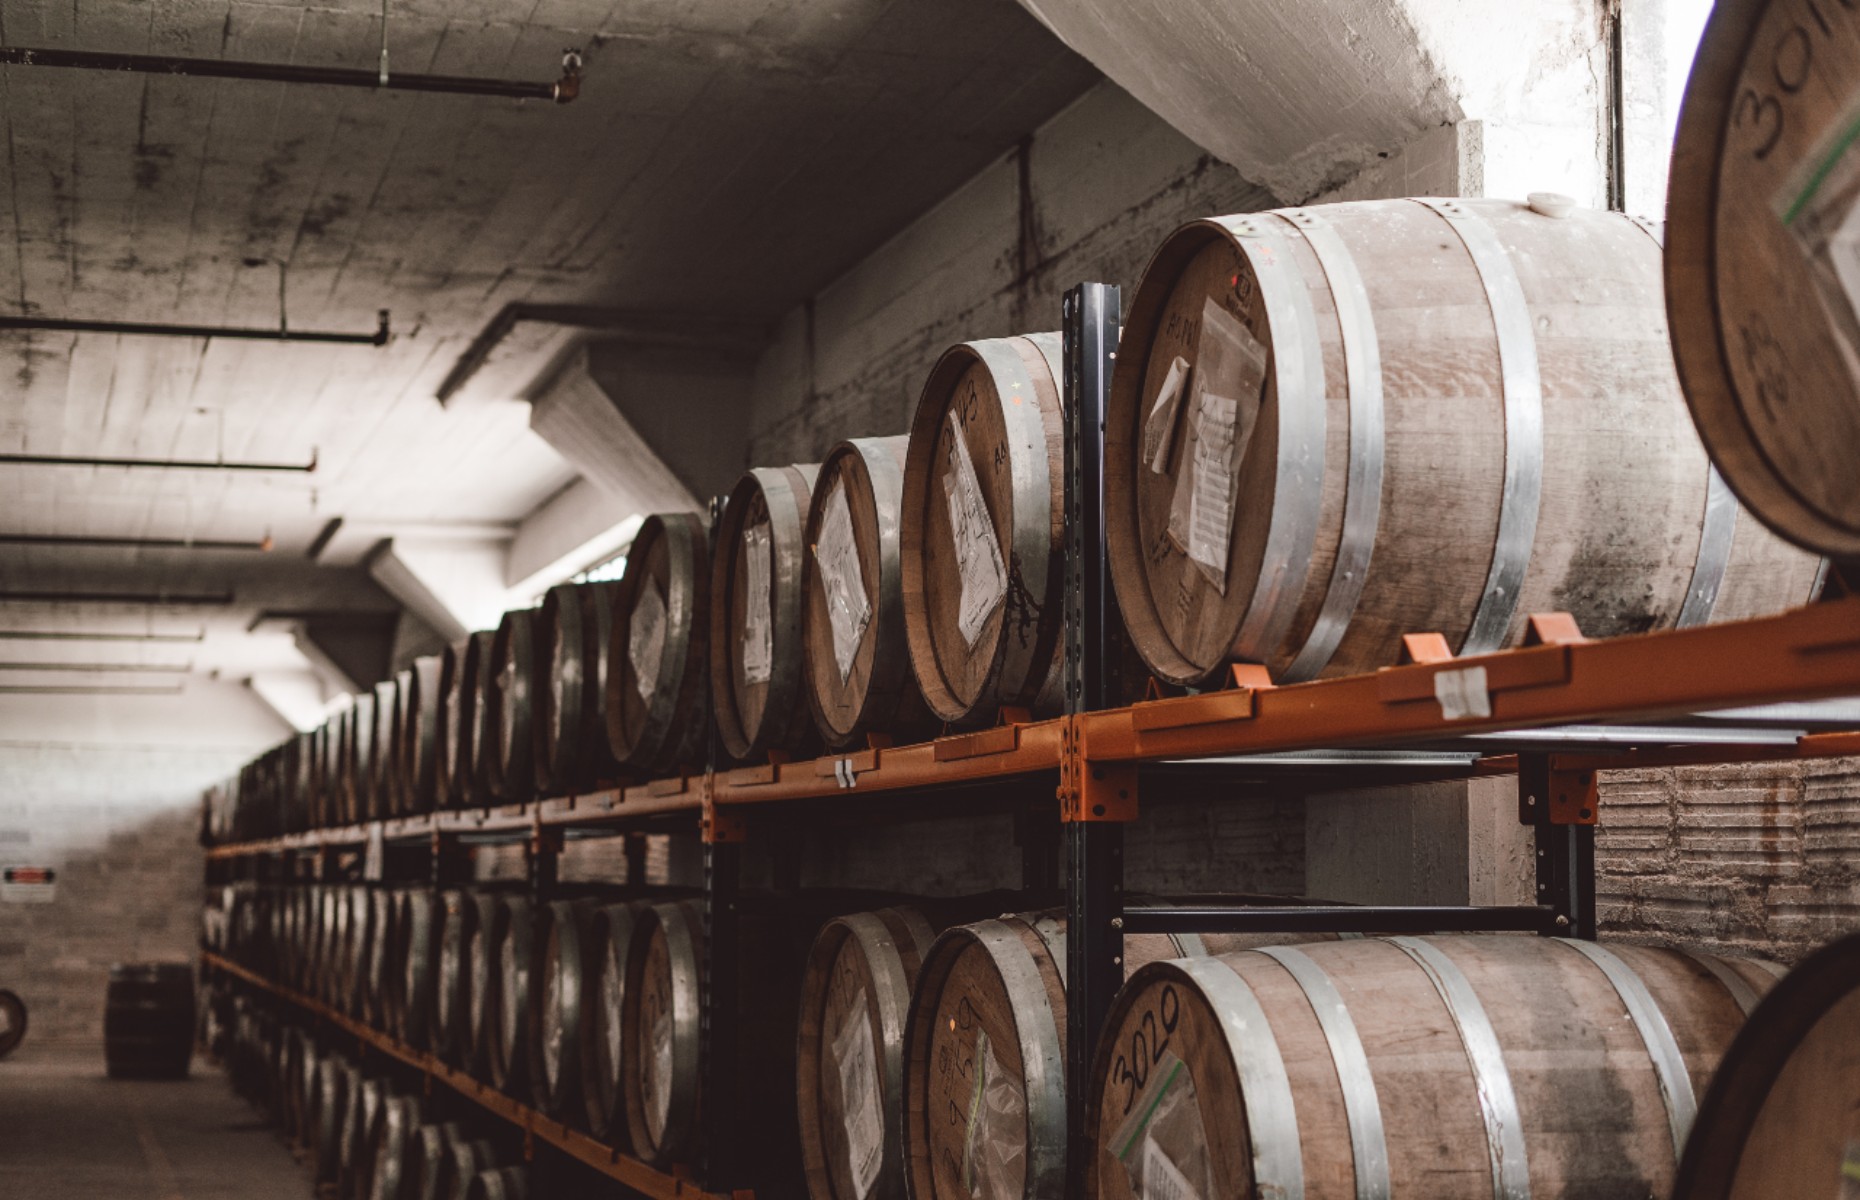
726	158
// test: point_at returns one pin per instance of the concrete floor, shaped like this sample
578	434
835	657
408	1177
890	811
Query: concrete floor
67	1131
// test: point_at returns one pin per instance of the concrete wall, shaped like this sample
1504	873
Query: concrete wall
1087	197
1758	859
114	808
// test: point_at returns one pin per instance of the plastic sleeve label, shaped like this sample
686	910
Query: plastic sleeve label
645	642
994	1149
1820	207
861	1100
1161	1144
842	583
978	552
758	641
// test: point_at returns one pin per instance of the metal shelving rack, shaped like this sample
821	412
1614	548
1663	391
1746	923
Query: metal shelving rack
1559	709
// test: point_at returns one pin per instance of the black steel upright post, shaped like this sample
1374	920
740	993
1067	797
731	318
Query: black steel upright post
719	1162
1565	853
1094	850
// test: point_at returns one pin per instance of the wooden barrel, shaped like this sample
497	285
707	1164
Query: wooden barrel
659	1037
983	546
451	1029
331	807
433	1156
855	994
503	1183
360	1138
384	766
564	1008
421	687
13	1022
361	786
858	663
657	714
513	672
1759	286
573	627
990	998
382	749
1451	1067
757	662
466	1159
484	971
148	1020
519	991
419	929
448	784
603	1055
395	1152
1778	1119
474	721
1316	408
336	1082
360	952
377	980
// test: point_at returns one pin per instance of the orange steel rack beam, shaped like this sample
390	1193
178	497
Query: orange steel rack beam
598	1155
1806	654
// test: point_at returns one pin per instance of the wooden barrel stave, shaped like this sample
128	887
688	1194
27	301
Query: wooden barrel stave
1606	509
448	784
422	687
483	974
383	751
661	625
862	684
1450	1082
1003	395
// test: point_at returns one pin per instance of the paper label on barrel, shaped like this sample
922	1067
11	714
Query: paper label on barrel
1211	502
1463	694
861	1100
1229	379
1159	429
841	581
1820	207
978	551
1162	1179
758	639
645	643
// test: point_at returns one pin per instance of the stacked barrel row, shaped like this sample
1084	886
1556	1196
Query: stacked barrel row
366	1135
926	1047
1327	427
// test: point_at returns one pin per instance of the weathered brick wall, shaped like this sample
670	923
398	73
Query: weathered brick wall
1759	859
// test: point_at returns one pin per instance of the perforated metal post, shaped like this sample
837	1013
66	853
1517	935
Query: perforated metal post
1561	808
1094	849
720	1164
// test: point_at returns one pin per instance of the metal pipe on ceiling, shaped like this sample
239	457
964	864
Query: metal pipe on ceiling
78	690
161	599
250	333
169	464
130	543
561	91
99	668
81	635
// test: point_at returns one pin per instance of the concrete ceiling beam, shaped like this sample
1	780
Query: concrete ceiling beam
456	586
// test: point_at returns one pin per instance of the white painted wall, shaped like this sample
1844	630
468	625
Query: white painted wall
106	791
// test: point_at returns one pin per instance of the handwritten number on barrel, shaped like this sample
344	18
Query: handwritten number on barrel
1756	110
